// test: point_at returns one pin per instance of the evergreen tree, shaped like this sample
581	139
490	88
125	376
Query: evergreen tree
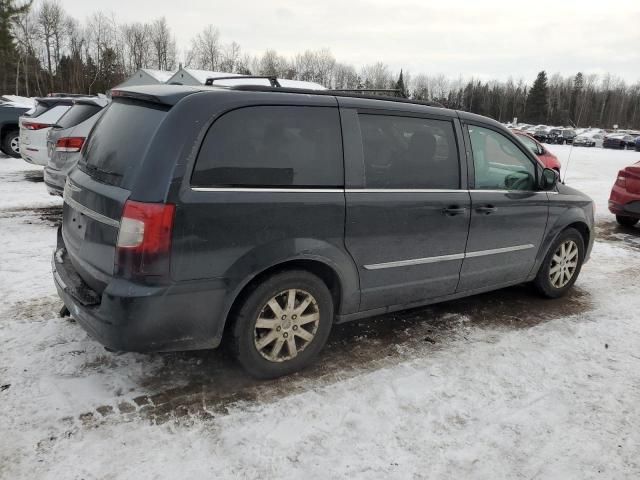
402	90
576	91
536	108
8	11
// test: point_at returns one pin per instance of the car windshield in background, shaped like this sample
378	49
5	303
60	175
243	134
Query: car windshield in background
115	149
78	114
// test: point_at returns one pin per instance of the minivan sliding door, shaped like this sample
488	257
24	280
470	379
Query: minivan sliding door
407	217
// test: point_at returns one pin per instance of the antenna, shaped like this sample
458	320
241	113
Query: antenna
564	179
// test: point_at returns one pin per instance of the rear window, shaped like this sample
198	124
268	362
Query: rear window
272	146
39	109
78	114
119	140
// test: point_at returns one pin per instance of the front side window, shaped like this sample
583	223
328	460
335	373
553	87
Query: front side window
409	153
272	146
498	162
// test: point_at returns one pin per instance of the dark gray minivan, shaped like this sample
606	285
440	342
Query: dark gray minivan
261	216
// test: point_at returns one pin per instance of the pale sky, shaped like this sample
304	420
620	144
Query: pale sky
482	38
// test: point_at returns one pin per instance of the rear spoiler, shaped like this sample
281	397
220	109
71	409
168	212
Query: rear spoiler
167	95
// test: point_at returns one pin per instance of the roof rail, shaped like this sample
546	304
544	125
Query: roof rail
272	79
337	93
372	90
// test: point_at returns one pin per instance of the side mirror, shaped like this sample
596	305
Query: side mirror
549	179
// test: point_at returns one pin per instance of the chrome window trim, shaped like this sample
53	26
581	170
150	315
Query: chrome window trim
445	258
90	213
275	190
356	190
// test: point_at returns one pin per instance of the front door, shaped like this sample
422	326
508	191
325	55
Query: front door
407	217
508	214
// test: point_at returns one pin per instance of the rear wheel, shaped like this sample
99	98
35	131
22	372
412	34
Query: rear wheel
626	221
561	267
11	143
283	324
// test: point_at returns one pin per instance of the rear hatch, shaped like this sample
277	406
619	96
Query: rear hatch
67	127
96	191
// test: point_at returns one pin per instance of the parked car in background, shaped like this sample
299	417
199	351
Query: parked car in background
624	201
9	128
66	138
589	139
562	136
195	212
621	141
548	159
637	144
542	135
35	124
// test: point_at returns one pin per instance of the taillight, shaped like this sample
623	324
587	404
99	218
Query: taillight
69	144
621	181
35	125
144	240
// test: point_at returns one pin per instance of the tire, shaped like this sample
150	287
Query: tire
251	345
11	143
626	221
550	285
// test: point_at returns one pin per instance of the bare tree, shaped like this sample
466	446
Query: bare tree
163	44
206	50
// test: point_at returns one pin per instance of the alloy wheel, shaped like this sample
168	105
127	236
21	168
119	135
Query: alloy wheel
15	145
286	325
563	264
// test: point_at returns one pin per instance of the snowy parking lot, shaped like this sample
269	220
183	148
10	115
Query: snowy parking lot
501	385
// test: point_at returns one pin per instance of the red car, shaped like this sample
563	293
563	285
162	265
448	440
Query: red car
624	201
548	159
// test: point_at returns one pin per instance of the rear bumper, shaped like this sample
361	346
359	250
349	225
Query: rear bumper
141	318
621	202
35	155
54	180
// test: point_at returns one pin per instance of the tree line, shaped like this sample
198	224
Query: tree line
44	49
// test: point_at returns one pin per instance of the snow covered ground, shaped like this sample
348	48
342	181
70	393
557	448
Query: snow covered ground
503	385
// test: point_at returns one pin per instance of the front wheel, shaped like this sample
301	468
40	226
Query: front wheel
282	324
626	221
11	143
561	267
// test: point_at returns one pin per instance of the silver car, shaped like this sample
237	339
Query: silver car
66	138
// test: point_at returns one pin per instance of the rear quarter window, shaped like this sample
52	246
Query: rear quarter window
272	146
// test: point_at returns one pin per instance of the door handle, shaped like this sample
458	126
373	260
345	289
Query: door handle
487	209
453	211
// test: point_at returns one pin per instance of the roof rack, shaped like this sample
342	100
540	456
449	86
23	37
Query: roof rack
372	90
339	93
272	79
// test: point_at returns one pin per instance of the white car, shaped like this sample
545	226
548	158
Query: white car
589	139
35	125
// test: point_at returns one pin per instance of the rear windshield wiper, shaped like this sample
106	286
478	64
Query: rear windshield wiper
93	168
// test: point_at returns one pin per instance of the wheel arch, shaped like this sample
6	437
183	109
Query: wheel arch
572	218
320	267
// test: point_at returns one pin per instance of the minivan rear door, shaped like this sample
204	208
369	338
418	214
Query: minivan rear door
407	209
96	191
